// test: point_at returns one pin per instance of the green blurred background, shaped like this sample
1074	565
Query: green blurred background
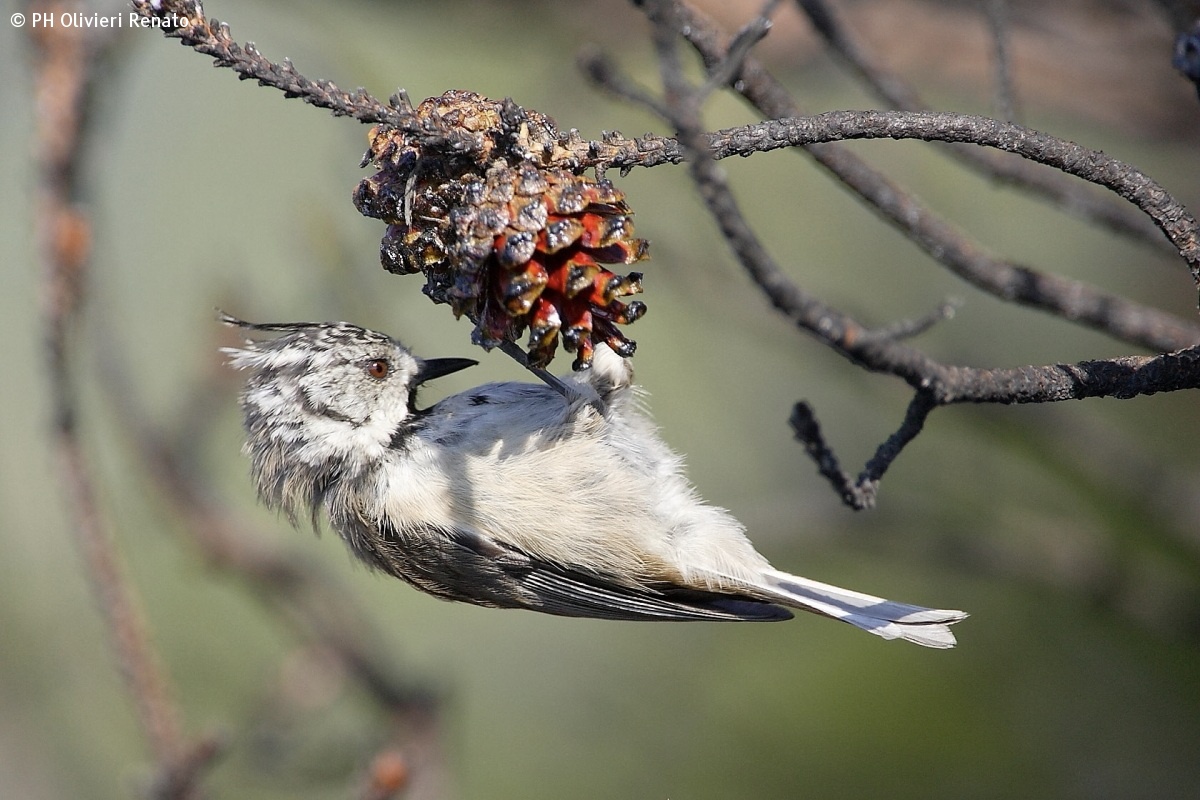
1069	532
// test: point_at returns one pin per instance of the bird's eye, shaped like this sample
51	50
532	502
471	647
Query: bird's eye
378	368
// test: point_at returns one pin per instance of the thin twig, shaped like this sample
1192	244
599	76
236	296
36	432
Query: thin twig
211	37
910	328
808	433
723	72
914	420
861	493
828	24
604	72
999	27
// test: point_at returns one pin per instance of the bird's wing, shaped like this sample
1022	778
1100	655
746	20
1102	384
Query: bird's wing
465	565
574	594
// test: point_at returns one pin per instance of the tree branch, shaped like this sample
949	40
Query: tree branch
1073	300
211	37
897	93
936	384
1117	176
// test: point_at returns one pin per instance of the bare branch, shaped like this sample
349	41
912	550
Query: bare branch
808	433
212	38
945	384
1124	179
1073	300
890	87
1111	378
859	494
936	384
898	94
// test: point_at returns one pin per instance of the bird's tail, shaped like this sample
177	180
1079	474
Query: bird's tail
924	626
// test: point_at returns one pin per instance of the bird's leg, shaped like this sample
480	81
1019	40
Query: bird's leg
569	393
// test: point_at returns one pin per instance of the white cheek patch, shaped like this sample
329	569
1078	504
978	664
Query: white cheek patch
325	439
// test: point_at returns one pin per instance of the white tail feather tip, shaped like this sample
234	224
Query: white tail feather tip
928	627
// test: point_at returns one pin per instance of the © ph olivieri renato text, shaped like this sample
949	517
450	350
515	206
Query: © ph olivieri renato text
78	19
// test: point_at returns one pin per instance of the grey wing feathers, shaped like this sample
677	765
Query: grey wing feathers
561	591
467	566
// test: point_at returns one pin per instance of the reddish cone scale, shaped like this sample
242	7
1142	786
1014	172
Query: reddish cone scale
501	230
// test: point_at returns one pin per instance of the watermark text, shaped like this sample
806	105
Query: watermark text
79	19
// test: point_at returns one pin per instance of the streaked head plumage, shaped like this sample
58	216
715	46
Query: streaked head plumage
323	400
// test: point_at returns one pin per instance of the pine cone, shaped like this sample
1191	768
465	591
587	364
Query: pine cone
479	200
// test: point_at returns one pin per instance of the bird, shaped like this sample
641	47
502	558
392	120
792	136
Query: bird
557	497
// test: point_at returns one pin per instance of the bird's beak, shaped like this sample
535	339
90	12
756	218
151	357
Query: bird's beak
437	367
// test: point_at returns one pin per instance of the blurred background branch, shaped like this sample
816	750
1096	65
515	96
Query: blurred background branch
67	66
